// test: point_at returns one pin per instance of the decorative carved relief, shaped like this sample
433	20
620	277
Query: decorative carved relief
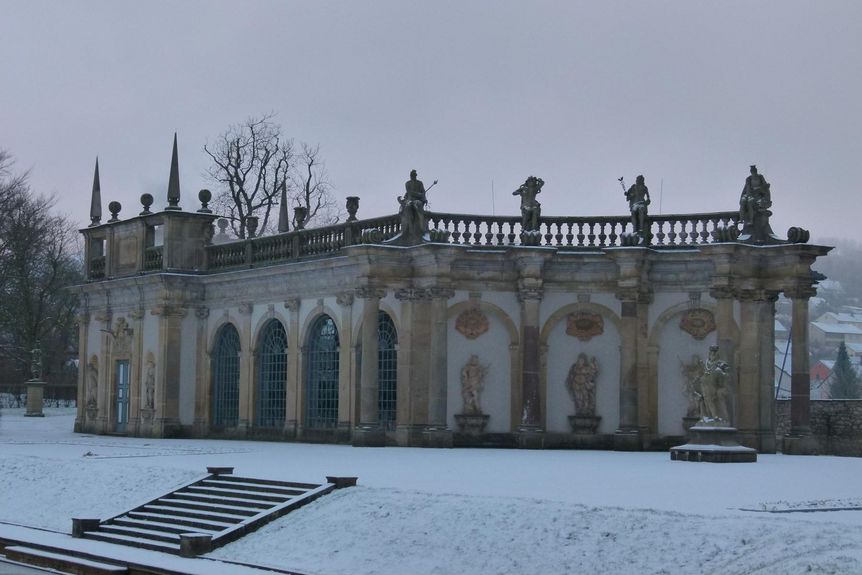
344	299
698	323
691	374
471	323
292	304
585	325
202	312
246	308
581	383
412	294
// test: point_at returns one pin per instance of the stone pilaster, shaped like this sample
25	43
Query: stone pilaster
369	433
437	433
346	371
413	365
83	363
755	404
294	346
530	293
203	369
136	371
106	369
246	370
726	336
166	422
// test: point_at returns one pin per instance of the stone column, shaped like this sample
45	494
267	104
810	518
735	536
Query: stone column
294	344
245	418
369	433
755	402
346	371
106	369
413	365
136	371
204	374
166	422
800	441
437	434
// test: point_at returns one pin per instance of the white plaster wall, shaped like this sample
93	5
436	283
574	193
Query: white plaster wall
94	342
662	302
562	352
507	301
188	369
151	338
492	347
676	346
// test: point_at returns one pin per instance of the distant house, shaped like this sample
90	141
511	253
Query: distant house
821	374
854	319
830	335
854	351
781	332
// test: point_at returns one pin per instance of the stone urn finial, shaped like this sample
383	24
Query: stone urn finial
352	208
114	207
205	196
299	215
146	202
251	225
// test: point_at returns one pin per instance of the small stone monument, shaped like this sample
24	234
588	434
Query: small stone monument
414	222
471	420
639	200
35	385
581	383
713	438
531	210
754	212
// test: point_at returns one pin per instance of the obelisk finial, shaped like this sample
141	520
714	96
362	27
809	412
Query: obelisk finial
282	210
174	181
96	199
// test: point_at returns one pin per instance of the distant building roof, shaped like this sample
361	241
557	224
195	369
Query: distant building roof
854	347
779	327
840	328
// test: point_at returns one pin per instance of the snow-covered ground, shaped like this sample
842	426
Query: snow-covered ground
424	511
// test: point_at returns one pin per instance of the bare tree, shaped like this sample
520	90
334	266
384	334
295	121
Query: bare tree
251	161
312	189
39	258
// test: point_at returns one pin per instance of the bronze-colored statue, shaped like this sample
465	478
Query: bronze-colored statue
413	221
531	209
638	197
756	197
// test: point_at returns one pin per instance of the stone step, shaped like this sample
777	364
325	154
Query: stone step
196	523
291	484
62	562
176	501
159	526
253	487
218	500
155	535
139	542
271	497
167	510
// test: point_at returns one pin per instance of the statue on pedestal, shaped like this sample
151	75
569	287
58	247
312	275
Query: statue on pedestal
150	384
413	221
638	197
36	363
756	197
581	384
531	209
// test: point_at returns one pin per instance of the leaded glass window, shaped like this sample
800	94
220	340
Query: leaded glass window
225	385
387	370
271	375
321	360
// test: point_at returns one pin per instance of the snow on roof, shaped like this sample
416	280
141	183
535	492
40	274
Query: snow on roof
848	317
854	347
836	328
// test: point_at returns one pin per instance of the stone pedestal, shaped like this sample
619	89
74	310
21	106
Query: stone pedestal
713	444
437	436
530	437
688	423
627	440
800	443
35	395
584	424
472	424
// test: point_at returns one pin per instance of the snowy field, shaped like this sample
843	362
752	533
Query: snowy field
465	511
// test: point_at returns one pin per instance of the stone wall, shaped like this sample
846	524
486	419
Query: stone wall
835	423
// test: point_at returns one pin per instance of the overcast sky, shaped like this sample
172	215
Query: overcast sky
687	93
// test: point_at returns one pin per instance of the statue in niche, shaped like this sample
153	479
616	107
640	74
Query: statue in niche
150	384
713	388
472	381
531	209
581	383
413	221
92	383
756	197
691	373
638	197
122	337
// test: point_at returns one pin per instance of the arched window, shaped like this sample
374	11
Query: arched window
321	360
225	384
271	375
387	370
